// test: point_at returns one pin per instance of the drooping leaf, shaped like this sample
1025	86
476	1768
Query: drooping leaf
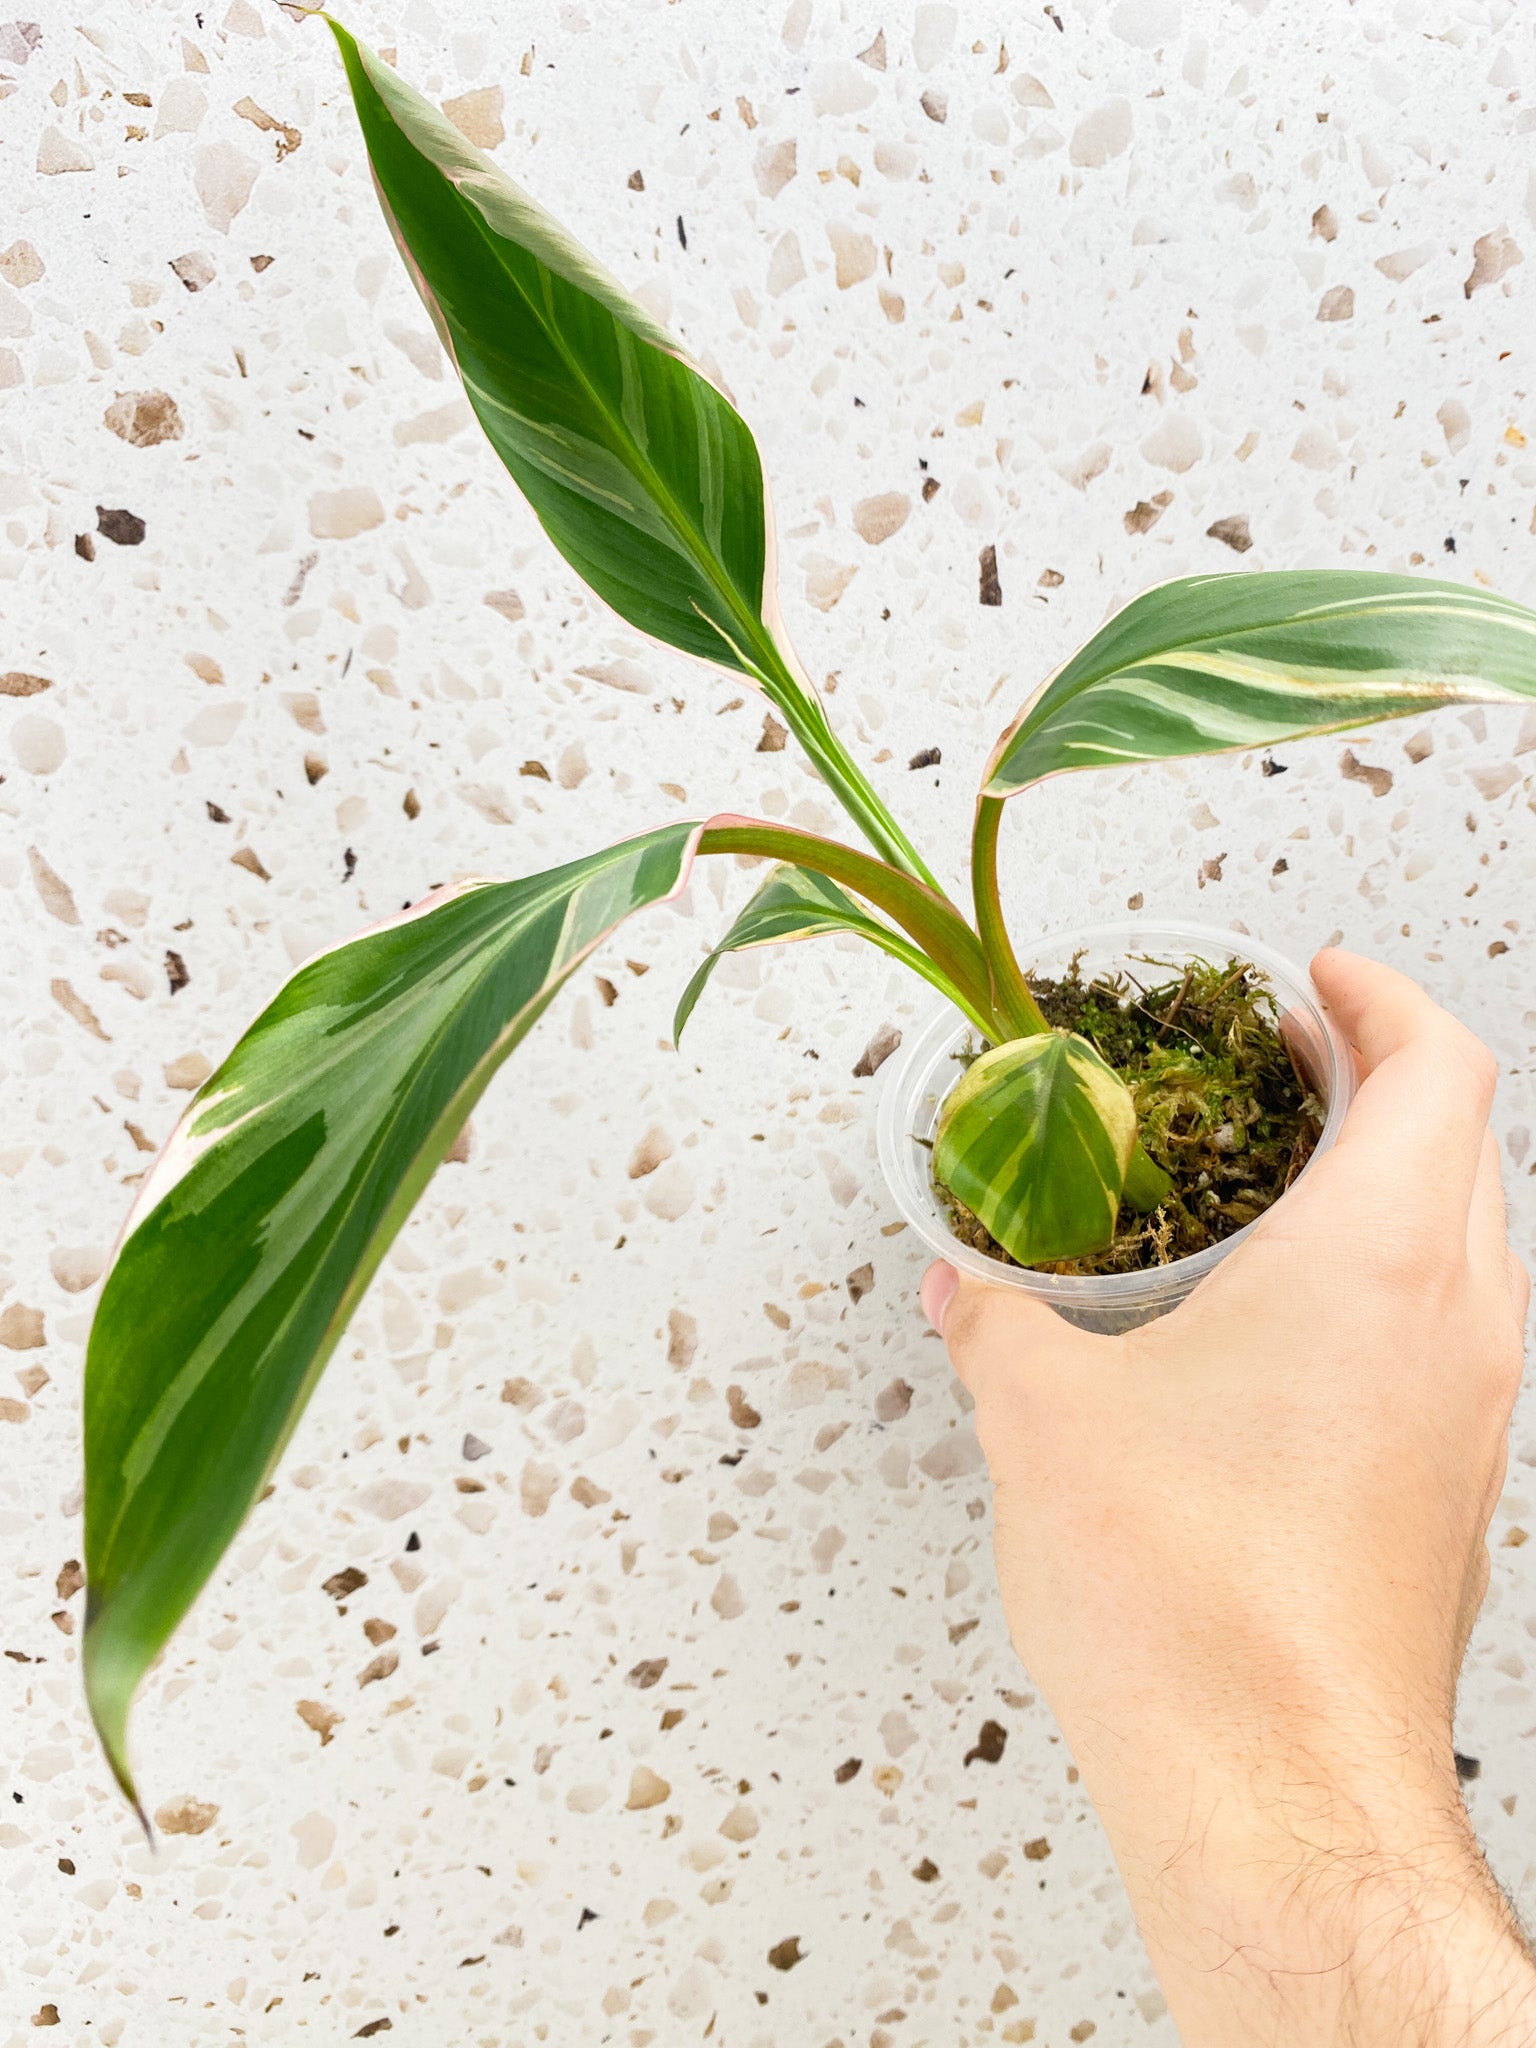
1035	1139
798	903
641	472
260	1225
1214	663
929	919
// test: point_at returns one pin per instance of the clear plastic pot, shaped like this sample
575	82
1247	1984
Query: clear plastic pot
926	1069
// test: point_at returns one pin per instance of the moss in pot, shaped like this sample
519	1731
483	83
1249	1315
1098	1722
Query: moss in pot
257	1230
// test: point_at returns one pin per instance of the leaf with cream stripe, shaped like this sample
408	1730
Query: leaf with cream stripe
1035	1139
1210	664
798	903
260	1225
641	472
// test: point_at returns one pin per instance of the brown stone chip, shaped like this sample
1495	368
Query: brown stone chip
345	1582
71	1578
989	1744
935	105
848	1769
1338	303
248	858
186	1816
926	1871
317	1715
743	1414
535	770
288	139
17	683
381	1666
124	529
53	891
1377	780
785	1954
195	269
860	1281
373	2027
774	735
646	1789
75	1006
379	1631
927	757
892	1402
991	589
1234	531
143	419
1037	1850
646	1673
877	1052
21	1328
682	1338
1492	255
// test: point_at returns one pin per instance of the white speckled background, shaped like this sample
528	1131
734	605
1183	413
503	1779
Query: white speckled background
733	1532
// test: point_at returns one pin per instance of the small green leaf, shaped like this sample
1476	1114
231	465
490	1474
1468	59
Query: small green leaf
797	903
1035	1139
1210	664
260	1225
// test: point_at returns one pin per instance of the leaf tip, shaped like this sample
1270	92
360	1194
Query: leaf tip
111	1679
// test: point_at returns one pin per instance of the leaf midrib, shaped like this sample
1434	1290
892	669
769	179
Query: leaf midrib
623	443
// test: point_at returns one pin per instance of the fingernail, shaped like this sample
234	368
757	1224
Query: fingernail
937	1292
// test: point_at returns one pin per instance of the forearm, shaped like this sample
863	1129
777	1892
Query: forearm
1306	1916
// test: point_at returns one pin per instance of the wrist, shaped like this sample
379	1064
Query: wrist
1295	1906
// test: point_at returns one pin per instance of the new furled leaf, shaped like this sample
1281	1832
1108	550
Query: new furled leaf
798	903
263	1220
1035	1139
641	472
1214	663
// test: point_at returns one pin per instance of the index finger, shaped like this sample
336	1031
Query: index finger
1417	1124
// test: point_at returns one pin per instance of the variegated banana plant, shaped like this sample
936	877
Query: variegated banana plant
256	1232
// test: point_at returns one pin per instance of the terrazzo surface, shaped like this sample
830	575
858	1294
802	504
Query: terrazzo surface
618	1659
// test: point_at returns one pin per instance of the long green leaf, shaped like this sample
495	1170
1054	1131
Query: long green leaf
798	903
1035	1139
644	476
1215	663
260	1225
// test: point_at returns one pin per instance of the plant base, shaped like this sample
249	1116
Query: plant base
1221	1106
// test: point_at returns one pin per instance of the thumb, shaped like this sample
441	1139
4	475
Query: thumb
997	1330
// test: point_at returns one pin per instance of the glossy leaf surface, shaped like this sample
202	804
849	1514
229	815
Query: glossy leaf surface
798	903
1035	1139
641	472
1214	663
260	1225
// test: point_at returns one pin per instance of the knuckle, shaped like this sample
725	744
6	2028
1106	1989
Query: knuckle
1473	1061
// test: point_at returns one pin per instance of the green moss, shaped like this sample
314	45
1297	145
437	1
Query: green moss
1220	1105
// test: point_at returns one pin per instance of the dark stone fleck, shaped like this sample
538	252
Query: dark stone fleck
928	757
991	589
990	1744
785	1954
125	529
1468	1767
848	1769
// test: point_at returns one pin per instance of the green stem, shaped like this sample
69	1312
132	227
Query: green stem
922	912
806	718
1011	996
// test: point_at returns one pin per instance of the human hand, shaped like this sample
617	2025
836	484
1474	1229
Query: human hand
1241	1550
